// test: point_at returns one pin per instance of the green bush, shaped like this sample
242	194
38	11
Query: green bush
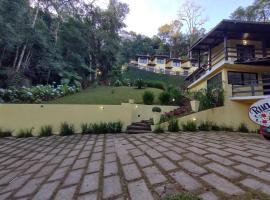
117	83
153	84
158	129
215	127
25	133
189	126
66	129
173	125
156	109
243	128
114	127
139	83
86	128
226	128
36	94
5	133
148	98
175	95
164	118
164	98
182	196
205	126
46	131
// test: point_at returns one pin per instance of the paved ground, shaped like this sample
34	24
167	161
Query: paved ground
137	167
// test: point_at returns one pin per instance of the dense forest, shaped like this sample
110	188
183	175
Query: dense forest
68	41
63	41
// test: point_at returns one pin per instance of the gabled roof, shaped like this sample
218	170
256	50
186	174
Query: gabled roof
234	29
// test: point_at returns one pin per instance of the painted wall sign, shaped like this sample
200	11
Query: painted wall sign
259	112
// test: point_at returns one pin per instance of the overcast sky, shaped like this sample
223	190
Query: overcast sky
146	16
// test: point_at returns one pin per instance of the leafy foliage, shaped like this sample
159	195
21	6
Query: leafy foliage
156	109
36	94
189	126
158	129
46	131
64	41
5	133
66	129
243	128
205	126
148	98
102	128
173	125
139	83
25	133
164	98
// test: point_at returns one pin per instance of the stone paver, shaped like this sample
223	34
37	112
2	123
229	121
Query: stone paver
138	191
222	184
142	166
186	181
112	187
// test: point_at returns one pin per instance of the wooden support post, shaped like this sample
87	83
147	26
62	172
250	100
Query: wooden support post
226	46
210	57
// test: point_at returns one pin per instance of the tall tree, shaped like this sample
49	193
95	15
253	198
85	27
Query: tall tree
191	15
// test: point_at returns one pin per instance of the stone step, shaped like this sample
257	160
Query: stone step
137	131
136	127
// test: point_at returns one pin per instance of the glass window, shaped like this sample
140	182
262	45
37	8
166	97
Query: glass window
242	78
176	64
215	82
160	61
143	60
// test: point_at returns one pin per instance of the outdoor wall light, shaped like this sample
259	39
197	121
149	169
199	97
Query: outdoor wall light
136	106
173	100
101	108
194	119
245	42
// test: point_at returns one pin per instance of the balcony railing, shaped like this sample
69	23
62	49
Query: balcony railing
252	88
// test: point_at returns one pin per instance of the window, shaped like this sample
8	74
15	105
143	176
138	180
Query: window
242	78
143	60
160	61
176	64
245	52
215	82
185	72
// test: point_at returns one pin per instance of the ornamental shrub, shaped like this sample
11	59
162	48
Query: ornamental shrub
243	128
173	125
156	109
158	129
139	83
66	129
205	126
25	133
164	98
148	98
5	133
190	126
46	131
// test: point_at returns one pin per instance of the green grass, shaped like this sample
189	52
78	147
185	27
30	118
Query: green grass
106	96
134	74
182	196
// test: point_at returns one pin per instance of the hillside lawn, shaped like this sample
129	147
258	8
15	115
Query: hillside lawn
106	95
134	74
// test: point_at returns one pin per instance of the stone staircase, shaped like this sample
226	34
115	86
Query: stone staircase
140	127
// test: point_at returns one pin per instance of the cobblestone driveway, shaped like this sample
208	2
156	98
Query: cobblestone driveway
137	167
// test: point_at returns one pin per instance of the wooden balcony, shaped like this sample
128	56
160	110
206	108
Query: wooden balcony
252	88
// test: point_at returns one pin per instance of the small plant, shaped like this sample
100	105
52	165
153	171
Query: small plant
154	84
66	129
205	126
5	133
182	196
25	133
215	127
164	98
46	131
139	83
190	126
114	127
86	128
148	98
173	125
156	109
158	129
164	118
243	128
226	128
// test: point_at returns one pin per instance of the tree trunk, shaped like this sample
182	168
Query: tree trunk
2	56
25	45
16	57
48	77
